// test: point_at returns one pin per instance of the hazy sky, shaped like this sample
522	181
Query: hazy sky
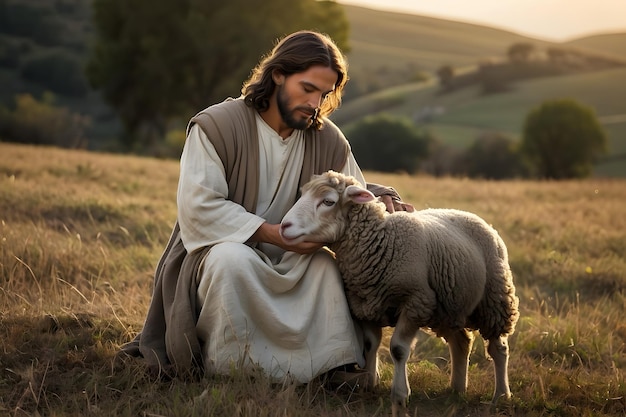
554	20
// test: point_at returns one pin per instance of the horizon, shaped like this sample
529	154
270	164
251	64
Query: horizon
581	19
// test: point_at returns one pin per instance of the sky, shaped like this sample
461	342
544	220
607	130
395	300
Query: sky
551	20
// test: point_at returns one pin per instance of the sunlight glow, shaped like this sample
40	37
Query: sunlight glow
552	20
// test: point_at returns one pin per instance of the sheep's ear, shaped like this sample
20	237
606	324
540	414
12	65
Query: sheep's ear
358	195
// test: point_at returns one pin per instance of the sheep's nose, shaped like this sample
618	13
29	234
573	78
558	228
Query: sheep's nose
285	225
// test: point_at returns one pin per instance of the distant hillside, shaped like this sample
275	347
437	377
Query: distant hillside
389	48
458	118
612	43
43	47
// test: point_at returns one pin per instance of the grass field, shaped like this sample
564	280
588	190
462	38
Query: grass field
80	234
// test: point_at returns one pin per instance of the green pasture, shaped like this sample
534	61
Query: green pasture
465	114
386	51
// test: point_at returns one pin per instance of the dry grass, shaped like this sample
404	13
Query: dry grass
80	234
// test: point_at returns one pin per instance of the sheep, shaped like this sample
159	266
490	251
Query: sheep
442	269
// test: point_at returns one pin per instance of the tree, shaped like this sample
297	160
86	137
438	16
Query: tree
386	143
41	123
158	61
446	75
520	52
494	78
492	156
443	159
562	139
58	70
34	19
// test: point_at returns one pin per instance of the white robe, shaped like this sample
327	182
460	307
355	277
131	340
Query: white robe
284	312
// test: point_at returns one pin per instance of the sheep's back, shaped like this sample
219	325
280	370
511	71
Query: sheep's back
468	262
433	263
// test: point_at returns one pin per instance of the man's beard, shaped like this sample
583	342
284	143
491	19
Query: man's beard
288	115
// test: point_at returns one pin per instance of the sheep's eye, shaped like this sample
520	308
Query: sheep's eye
327	202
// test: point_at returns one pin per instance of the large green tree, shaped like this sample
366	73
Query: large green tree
158	61
562	139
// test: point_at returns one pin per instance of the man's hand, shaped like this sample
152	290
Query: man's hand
270	233
395	205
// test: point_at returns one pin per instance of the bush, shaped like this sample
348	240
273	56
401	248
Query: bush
58	70
10	51
29	19
389	144
492	156
443	160
40	123
562	139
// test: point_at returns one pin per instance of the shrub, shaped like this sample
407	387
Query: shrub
445	74
10	51
492	156
58	70
562	139
389	144
39	122
34	20
443	160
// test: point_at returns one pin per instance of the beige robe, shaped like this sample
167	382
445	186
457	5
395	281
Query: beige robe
258	305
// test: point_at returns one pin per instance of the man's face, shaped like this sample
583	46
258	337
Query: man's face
299	96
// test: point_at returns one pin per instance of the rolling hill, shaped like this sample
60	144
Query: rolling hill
459	117
610	43
395	43
390	48
393	59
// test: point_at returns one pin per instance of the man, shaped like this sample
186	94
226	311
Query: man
228	289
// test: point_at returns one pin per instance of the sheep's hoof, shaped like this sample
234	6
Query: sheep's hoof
500	402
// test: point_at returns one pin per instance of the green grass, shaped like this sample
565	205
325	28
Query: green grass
467	112
80	234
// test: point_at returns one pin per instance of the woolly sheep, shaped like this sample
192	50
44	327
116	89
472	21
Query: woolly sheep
442	269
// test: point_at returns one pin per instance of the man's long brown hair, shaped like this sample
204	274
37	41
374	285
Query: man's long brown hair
294	54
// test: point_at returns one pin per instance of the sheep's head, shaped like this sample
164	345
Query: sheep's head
320	213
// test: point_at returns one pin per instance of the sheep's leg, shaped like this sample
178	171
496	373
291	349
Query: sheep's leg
400	347
372	334
498	349
459	344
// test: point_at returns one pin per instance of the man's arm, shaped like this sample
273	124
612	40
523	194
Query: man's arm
390	197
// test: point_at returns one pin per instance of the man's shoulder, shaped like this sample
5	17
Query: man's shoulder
229	115
331	130
228	107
